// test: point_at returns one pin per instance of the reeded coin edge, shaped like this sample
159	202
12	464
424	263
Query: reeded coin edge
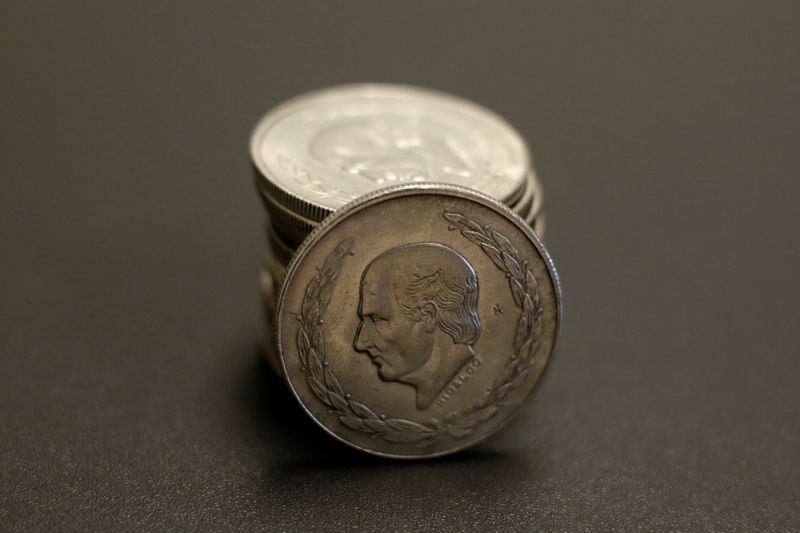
290	223
410	189
297	227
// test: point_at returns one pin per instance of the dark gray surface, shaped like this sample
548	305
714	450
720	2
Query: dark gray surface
133	397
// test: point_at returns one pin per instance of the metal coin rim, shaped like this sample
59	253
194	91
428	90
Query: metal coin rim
402	190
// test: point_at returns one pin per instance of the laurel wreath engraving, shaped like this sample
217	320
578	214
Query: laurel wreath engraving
359	417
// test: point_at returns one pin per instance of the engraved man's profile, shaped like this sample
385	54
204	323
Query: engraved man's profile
419	316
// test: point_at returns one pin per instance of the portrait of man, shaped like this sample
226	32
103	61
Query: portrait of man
419	317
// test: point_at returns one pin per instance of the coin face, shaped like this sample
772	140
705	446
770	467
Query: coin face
320	151
415	321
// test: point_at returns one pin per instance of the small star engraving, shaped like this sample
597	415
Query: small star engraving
498	309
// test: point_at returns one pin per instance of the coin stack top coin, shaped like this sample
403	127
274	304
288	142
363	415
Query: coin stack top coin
321	150
324	149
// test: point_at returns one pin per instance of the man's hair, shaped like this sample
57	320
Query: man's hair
455	298
430	274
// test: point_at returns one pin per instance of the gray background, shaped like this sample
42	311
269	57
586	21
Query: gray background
133	394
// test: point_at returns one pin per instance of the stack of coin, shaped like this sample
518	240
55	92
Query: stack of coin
320	151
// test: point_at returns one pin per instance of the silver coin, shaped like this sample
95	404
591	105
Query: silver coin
319	151
415	321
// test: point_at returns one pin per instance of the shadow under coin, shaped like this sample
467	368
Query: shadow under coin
300	444
349	487
357	490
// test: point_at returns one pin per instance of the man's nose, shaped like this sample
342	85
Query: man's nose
362	341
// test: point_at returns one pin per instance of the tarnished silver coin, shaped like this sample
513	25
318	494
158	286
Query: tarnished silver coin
319	151
416	320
